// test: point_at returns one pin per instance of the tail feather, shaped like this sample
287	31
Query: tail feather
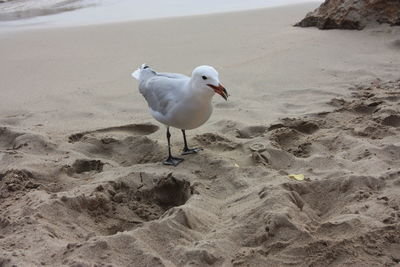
136	73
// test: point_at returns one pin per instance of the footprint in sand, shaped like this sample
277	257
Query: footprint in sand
250	132
85	165
216	142
116	132
294	136
395	44
126	145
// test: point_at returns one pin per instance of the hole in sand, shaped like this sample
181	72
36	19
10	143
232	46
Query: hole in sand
391	120
170	192
123	205
84	165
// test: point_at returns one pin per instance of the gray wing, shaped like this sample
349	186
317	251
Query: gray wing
172	75
162	91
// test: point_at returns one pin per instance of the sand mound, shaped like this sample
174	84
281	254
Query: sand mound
103	198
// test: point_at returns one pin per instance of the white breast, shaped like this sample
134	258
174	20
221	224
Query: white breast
186	115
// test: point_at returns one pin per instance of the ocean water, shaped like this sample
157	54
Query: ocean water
33	13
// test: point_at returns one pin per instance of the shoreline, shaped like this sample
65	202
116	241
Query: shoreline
92	14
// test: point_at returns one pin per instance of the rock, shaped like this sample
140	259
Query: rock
352	14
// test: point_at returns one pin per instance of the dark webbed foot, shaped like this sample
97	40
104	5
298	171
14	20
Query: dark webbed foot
172	161
187	151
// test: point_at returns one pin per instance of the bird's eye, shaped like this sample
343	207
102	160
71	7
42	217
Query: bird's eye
204	77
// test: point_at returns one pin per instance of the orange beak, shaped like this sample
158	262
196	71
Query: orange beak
220	90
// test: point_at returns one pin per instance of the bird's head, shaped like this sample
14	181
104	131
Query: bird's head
206	78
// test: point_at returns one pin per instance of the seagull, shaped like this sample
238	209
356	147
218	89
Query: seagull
179	101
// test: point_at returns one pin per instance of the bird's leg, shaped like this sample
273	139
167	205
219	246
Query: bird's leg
171	160
186	150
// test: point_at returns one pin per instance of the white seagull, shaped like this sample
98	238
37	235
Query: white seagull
180	101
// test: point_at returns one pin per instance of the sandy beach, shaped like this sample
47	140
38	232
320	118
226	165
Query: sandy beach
81	178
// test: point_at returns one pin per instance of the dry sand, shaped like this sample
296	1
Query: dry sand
81	183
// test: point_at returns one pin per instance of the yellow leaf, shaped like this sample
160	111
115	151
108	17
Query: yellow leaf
298	177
